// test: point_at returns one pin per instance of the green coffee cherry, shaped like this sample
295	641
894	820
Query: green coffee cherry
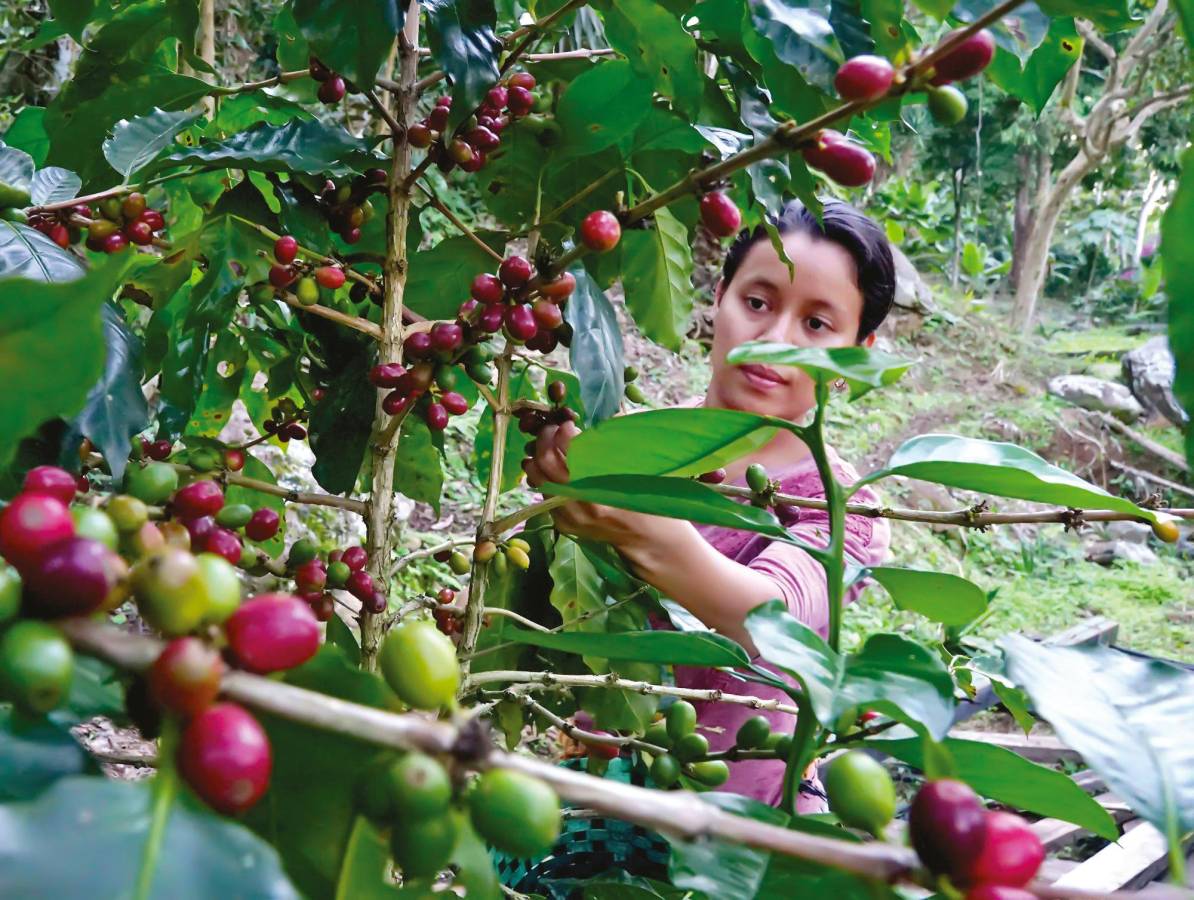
947	105
635	394
302	551
691	747
681	719
753	733
711	773
756	478
459	563
665	771
234	515
860	792
656	734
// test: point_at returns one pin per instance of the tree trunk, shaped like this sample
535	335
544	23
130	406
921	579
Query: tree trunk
955	269
1021	214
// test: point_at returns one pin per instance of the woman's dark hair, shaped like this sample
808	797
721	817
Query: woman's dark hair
850	229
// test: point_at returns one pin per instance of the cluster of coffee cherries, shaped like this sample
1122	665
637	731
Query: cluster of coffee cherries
347	206
332	86
505	302
118	223
285	420
763	491
344	569
501	555
532	419
290	273
683	750
632	391
481	134
430	380
868	78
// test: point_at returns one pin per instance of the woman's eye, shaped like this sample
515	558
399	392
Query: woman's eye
756	303
817	324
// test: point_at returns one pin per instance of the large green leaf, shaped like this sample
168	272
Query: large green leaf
851	28
724	869
115	408
309	811
27	253
510	184
677	498
675	441
340	428
801	37
601	107
365	872
28	132
657	277
940	596
658	48
1108	15
85	836
1008	778
1177	249
51	347
1130	718
16	176
352	37
34	753
135	143
418	468
53	185
296	146
1002	469
863	369
769	178
461	36
892	674
663	647
1185	9
596	351
1035	81
452	261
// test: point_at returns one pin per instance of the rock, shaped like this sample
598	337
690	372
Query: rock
1128	532
911	290
1106	552
1148	371
1094	393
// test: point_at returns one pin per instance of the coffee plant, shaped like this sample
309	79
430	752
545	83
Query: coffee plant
211	245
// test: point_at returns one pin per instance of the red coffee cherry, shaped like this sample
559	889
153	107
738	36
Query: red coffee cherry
264	525
481	138
438	118
559	289
967	59
114	243
376	603
419	136
50	481
200	529
360	585
454	403
350	235
520	322
394	402
947	824
60	235
600	231
199	498
547	314
330	277
185	678
224	755
519	101
842	160
864	78
310	577
436	417
717	476
719	214
282	276
487	289
446	595
71	577
524	80
386	375
285	249
355	558
496	97
446	336
234	460
332	90
31	524
160	450
225	543
515	271
491	319
272	632
475	163
602	751
444	100
153	219
1011	852
139	233
418	345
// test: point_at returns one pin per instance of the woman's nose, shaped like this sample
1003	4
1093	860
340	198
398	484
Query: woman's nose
779	330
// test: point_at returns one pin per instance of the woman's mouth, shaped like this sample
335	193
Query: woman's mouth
762	378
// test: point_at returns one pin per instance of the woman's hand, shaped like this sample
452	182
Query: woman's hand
624	529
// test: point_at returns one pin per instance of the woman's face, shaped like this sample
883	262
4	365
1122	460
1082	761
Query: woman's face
822	307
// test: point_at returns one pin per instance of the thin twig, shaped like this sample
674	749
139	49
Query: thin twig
425	552
455	220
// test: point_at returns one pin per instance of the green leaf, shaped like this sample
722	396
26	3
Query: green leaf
34	753
339	634
1008	778
101	826
675	441
724	869
863	369
16	177
472	861
658	49
510	183
1002	469
1177	249
1107	15
677	498
297	146
1035	82
596	354
135	143
1130	718
801	37
53	185
365	872
28	132
341	424
891	674
663	647
51	347
95	690
601	107
115	408
521	388
850	27
461	36
309	811
454	260
418	468
352	37
657	277
577	587
27	253
939	596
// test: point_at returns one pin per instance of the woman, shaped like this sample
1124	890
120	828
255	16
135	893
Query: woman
843	288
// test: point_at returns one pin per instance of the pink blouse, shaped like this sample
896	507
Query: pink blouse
800	583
